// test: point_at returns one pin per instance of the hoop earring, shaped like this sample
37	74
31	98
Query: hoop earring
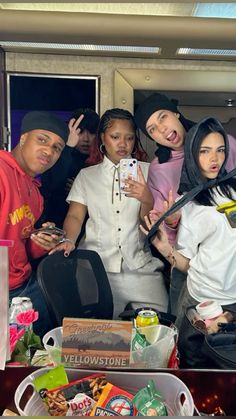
102	148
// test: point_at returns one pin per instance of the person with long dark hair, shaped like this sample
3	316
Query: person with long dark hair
112	229
206	240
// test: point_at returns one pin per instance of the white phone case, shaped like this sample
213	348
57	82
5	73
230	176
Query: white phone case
128	169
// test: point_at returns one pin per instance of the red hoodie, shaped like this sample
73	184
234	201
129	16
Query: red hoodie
21	205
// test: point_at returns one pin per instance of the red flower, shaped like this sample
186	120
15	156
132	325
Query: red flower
15	335
26	318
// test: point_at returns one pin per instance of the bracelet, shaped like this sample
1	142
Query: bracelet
172	257
67	240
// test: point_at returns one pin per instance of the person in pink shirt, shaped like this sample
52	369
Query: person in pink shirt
159	119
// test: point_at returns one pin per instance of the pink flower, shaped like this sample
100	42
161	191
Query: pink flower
15	335
26	318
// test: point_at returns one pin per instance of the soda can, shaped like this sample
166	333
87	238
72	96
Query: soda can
146	317
147	322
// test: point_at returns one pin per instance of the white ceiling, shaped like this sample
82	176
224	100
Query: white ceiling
168	26
156	9
189	8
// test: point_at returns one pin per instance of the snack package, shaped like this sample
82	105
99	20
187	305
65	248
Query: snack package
139	341
149	402
55	377
114	401
77	398
59	404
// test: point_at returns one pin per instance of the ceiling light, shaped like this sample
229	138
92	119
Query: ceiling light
83	47
199	51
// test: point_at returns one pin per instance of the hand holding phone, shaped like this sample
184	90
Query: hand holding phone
51	230
128	170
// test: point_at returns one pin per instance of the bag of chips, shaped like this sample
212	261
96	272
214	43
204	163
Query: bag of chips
55	377
76	398
149	402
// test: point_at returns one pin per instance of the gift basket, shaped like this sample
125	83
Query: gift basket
120	392
52	342
160	353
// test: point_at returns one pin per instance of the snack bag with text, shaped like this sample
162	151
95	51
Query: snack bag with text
76	398
114	401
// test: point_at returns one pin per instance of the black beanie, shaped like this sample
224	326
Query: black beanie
47	121
153	103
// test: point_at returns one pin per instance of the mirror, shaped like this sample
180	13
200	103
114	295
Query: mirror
130	79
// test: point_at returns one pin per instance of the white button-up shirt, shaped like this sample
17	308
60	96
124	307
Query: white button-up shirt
112	229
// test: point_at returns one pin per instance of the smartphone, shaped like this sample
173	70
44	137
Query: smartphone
128	169
50	230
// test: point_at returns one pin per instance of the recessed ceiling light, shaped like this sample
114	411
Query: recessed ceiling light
83	47
199	51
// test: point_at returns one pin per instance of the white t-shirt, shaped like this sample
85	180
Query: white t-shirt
112	229
207	239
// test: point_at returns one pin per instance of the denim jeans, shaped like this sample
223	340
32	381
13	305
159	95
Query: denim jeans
178	279
184	301
32	290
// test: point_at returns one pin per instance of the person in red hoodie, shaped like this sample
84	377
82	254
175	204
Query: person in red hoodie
43	137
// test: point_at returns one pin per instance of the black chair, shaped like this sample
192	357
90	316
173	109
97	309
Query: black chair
76	286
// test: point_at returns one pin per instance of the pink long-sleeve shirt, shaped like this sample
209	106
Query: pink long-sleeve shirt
166	176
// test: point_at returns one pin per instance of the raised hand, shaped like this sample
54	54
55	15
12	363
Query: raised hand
74	131
138	189
173	219
160	241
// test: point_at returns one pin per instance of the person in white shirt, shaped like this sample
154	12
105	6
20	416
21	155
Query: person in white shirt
206	240
112	229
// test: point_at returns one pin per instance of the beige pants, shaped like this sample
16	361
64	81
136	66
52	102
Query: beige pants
145	285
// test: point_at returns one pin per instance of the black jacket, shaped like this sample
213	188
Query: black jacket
54	182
